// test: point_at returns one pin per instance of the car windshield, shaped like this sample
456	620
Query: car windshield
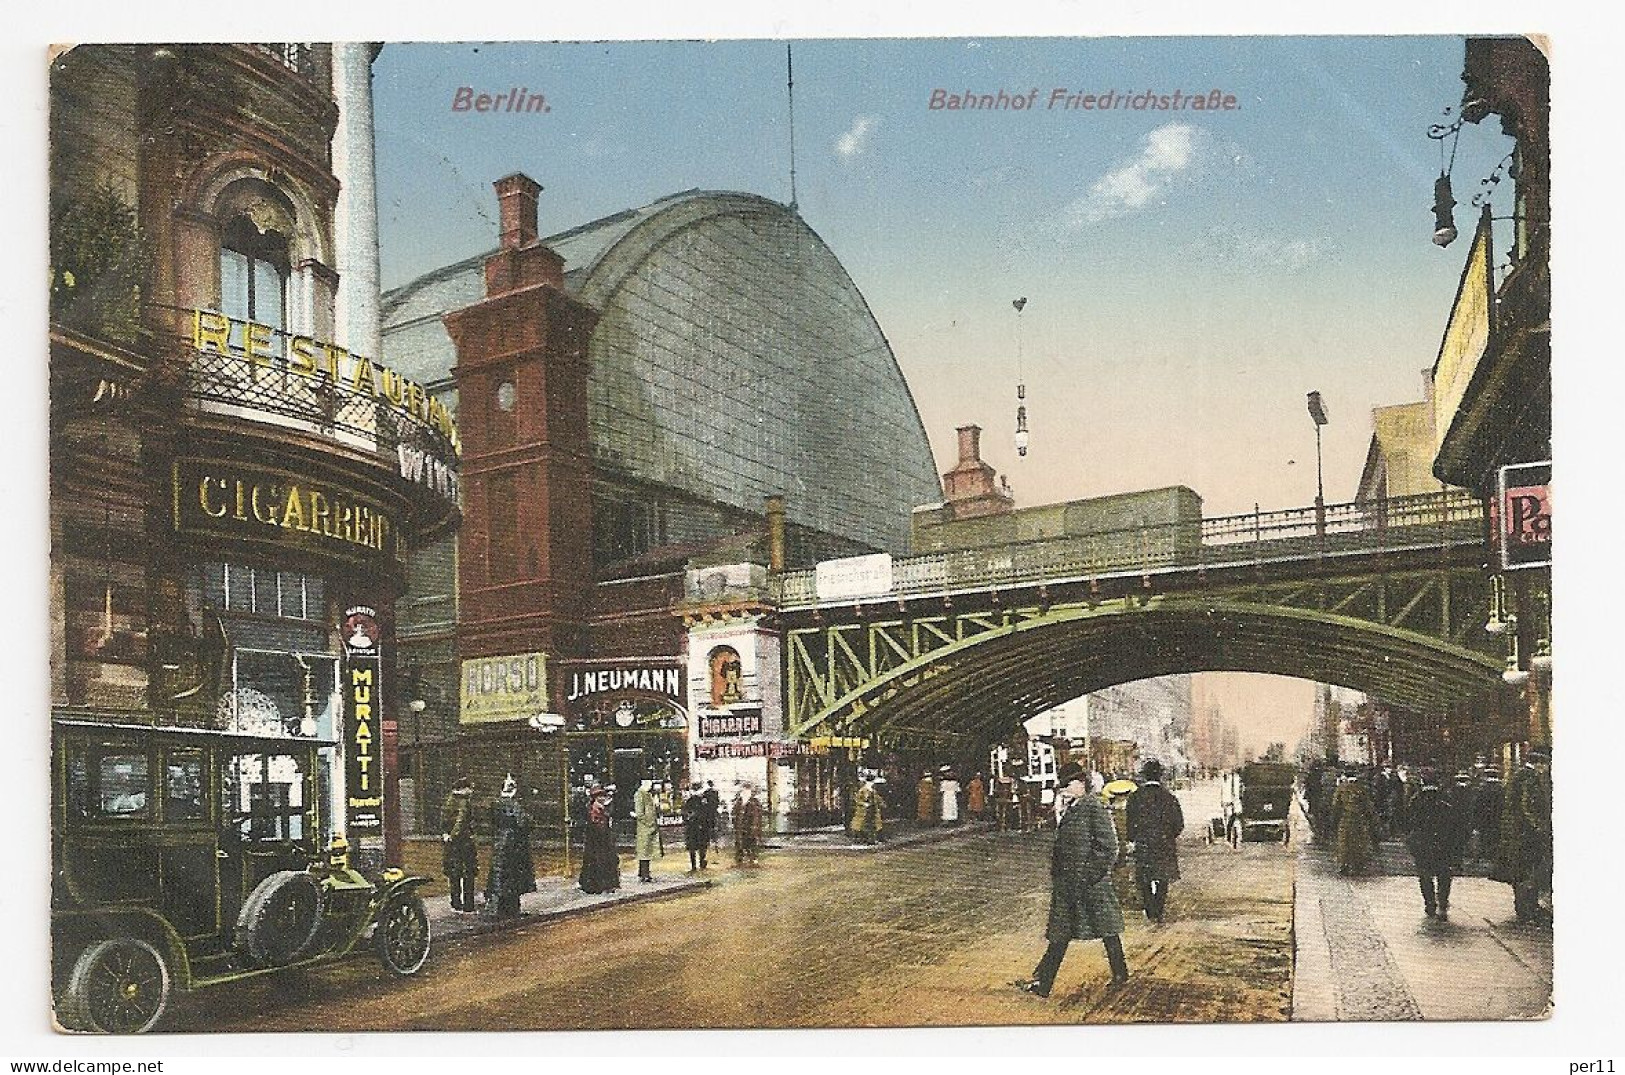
265	796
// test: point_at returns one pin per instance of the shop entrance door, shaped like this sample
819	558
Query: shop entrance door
630	770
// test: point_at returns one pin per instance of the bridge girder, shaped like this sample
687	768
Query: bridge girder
1412	638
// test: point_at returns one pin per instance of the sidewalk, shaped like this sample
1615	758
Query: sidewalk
1364	950
557	895
555	898
903	833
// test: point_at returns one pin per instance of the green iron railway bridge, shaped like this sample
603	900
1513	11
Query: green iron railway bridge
1389	598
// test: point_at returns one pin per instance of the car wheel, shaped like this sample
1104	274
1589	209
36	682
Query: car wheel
118	986
402	935
280	919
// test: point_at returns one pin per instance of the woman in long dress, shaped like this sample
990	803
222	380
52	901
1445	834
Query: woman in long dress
600	865
950	799
513	872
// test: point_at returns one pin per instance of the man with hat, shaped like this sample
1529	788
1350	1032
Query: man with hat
458	857
1434	838
1525	860
1154	824
646	809
1083	905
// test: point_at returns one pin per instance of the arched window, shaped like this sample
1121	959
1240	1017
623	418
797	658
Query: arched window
254	274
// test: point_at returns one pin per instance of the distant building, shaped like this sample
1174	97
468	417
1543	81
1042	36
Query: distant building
1399	460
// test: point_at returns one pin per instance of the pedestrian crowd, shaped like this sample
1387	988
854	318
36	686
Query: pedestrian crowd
1471	820
512	870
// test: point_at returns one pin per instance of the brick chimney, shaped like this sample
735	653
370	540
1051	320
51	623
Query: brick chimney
972	487
517	194
970	444
521	261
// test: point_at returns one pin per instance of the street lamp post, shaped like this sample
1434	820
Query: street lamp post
1317	412
552	725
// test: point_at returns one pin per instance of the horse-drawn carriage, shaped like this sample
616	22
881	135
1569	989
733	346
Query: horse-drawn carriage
1255	803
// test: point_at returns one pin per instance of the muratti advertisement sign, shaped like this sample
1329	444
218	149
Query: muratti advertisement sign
363	723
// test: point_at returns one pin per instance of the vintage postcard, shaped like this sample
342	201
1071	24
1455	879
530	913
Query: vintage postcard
816	533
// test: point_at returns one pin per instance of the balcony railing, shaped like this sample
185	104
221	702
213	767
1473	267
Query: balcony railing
1430	520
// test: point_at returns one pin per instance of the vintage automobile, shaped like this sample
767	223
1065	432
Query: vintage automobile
189	858
1256	802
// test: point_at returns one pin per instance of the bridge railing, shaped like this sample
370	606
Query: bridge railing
1429	520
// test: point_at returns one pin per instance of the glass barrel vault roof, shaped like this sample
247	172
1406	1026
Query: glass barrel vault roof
733	359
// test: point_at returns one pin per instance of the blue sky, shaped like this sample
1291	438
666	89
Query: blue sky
1190	274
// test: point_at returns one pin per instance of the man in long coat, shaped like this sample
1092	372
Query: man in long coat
458	856
976	797
749	832
1154	824
696	835
713	814
1525	859
1355	819
1082	904
1434	838
647	811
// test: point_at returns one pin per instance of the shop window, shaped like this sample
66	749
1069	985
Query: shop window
78	785
263	592
284	693
122	785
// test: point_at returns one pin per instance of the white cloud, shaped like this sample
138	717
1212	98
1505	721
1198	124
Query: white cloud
1252	248
1169	152
852	144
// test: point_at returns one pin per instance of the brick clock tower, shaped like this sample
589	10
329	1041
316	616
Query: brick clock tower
524	569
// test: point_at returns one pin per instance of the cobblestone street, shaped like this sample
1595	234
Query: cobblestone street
922	935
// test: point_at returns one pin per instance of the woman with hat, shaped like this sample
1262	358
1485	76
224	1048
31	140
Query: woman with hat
600	865
1083	905
513	872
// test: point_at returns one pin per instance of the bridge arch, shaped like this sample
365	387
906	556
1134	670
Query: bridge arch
986	682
